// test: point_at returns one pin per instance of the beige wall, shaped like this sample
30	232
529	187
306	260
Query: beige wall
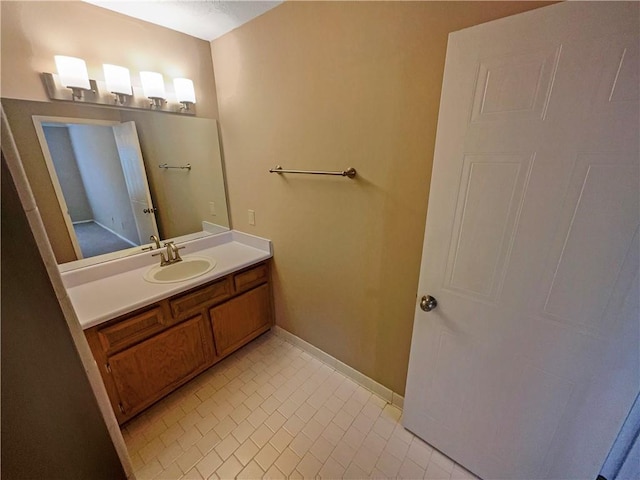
33	32
329	85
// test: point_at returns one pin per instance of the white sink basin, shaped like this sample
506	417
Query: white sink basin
190	267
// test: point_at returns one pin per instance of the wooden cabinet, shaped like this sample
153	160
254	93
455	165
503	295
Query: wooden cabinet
240	319
147	354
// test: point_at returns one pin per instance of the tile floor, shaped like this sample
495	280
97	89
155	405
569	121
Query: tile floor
271	410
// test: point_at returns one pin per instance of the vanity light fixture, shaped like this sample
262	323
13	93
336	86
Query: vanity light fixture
118	82
184	92
73	74
153	88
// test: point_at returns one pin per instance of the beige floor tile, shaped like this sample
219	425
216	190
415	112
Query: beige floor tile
281	440
170	454
149	471
172	434
225	427
270	410
172	472
257	417
355	473
301	444
436	472
208	442
246	452
274	474
209	464
251	472
309	466
151	450
331	469
420	453
410	470
262	435
442	460
365	459
388	464
343	453
243	431
189	459
229	469
275	421
207	423
226	447
287	461
266	456
190	437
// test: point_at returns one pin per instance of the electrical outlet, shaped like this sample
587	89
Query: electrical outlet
212	209
252	217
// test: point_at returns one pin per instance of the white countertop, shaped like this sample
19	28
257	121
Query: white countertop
107	290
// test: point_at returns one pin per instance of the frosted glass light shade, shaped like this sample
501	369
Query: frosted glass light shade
184	90
117	79
72	72
152	84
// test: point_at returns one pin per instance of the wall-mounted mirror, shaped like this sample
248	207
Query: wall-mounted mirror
85	172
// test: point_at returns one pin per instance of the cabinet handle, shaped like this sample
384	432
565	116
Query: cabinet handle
108	367
121	408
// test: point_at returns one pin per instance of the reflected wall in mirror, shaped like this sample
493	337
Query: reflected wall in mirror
184	199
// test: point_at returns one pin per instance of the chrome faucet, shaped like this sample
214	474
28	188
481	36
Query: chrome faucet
156	240
173	256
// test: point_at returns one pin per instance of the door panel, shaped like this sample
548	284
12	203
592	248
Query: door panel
135	177
531	246
490	196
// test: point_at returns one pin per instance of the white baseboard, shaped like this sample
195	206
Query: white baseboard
383	392
116	234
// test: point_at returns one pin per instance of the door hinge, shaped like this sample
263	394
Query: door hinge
108	367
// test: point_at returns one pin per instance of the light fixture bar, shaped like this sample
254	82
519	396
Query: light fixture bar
117	82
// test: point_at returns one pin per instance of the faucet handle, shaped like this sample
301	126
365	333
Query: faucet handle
163	260
176	253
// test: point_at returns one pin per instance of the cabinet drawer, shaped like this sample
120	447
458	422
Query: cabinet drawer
215	292
250	278
131	331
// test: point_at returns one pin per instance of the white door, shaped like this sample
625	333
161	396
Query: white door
136	179
529	363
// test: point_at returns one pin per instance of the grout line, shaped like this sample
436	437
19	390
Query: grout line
383	392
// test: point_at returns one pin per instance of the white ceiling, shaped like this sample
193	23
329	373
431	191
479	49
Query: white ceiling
205	19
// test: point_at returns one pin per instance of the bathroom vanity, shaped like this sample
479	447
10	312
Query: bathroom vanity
150	338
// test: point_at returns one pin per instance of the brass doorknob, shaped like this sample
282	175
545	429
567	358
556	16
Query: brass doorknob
428	303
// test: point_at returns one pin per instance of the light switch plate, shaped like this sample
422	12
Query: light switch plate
252	217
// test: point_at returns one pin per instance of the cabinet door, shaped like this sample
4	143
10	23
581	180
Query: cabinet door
150	369
241	319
